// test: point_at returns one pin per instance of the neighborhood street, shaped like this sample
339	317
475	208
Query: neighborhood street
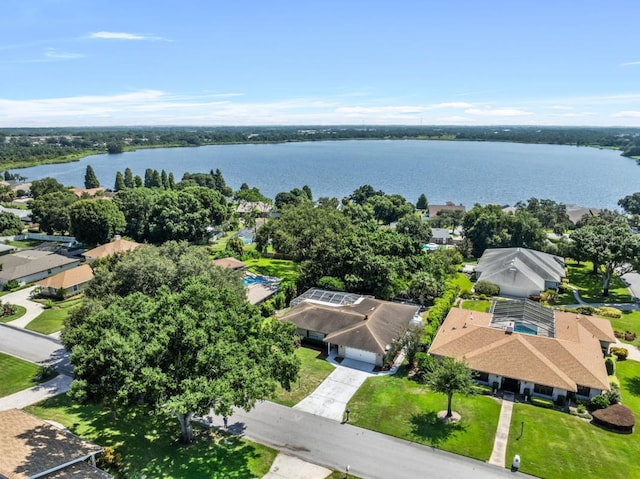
369	454
34	347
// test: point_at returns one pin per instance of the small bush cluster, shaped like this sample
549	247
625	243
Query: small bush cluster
486	287
11	285
608	312
442	305
610	365
598	402
620	353
110	459
6	309
626	335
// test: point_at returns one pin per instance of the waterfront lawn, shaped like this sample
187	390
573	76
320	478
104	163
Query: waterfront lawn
52	320
399	407
590	286
16	374
313	370
477	305
20	311
556	445
279	268
149	447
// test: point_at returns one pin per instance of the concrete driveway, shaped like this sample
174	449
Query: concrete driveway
289	467
331	397
23	298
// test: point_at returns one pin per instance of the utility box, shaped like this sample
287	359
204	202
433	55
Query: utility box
515	465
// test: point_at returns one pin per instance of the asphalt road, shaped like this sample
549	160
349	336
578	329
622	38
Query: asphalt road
34	347
369	454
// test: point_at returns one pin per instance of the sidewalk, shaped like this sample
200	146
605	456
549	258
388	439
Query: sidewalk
289	467
58	385
499	453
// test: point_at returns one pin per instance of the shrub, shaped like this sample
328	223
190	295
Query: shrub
598	402
487	287
495	385
443	304
110	459
542	402
581	408
425	363
617	417
331	283
564	289
613	396
11	285
609	312
620	353
483	389
466	294
610	365
561	400
586	310
549	295
527	392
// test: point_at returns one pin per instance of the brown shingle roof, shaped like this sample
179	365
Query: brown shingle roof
69	278
78	470
230	262
109	249
29	447
572	358
370	324
435	209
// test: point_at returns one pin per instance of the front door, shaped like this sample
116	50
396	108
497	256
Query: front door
510	384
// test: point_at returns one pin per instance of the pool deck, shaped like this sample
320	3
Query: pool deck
257	292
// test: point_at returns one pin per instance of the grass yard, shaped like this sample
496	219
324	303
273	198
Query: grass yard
399	407
481	305
148	445
313	370
20	310
280	268
463	282
556	445
630	321
16	374
24	244
51	320
590	286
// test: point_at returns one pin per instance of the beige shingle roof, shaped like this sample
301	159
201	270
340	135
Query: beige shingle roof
572	358
230	262
109	249
69	278
29	447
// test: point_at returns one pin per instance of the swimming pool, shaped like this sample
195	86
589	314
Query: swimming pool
249	280
521	328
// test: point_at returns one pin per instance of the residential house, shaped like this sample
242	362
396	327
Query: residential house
33	264
354	326
117	246
441	236
520	272
521	345
248	207
32	448
88	192
230	263
435	209
66	283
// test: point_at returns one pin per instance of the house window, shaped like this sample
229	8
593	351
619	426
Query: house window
75	288
49	272
482	377
543	390
583	391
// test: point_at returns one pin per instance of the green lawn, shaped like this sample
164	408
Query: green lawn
16	374
24	244
463	282
313	370
590	286
280	268
20	310
399	407
51	320
148	443
556	445
630	321
221	244
477	305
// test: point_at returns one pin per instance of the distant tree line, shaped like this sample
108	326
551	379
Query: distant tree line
25	146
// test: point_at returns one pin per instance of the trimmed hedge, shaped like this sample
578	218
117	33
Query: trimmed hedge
620	353
487	287
542	402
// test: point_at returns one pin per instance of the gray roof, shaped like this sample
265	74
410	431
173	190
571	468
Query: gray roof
443	233
28	262
369	324
521	267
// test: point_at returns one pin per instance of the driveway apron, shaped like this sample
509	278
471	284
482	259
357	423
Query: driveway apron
331	397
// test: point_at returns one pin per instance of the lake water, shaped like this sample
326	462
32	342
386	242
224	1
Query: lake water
462	172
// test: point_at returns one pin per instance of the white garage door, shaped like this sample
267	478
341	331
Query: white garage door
360	355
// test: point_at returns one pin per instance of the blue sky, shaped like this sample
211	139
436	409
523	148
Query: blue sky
259	62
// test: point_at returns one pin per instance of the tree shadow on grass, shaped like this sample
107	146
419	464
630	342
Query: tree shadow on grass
633	385
429	429
149	445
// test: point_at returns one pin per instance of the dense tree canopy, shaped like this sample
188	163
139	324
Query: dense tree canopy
550	214
95	221
178	338
10	224
51	211
44	186
90	178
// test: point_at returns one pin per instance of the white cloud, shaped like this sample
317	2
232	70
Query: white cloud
125	36
499	112
453	104
54	54
626	114
368	110
455	119
628	64
561	107
576	114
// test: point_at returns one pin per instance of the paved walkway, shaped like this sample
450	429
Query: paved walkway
23	298
290	467
58	385
499	453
